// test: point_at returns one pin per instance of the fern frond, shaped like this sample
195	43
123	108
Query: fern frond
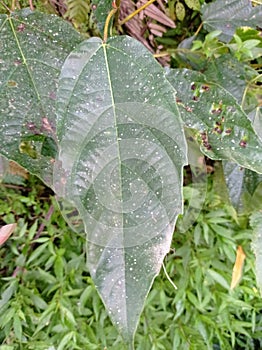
78	10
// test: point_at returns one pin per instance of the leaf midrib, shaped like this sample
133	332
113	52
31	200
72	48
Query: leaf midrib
25	61
115	121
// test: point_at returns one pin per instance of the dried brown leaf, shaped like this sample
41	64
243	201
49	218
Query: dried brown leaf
5	232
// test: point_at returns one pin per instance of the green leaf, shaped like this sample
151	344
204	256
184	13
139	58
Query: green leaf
234	177
101	9
225	130
33	52
196	59
180	11
122	149
193	4
256	224
231	74
8	293
228	15
218	278
65	340
256	117
243	187
17	327
37	252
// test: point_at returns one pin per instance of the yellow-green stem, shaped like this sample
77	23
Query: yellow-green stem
116	19
136	12
108	19
198	29
7	8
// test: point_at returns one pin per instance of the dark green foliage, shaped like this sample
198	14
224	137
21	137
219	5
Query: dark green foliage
48	298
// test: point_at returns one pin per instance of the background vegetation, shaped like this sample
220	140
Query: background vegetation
48	300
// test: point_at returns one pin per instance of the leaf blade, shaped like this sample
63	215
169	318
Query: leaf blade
124	149
33	54
225	130
227	15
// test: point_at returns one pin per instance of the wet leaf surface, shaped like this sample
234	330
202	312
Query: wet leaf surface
122	149
227	15
225	132
256	224
33	49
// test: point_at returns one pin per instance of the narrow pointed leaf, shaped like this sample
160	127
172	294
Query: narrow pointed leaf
225	130
122	149
34	47
228	15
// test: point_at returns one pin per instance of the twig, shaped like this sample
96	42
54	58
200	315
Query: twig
43	224
198	29
136	12
108	19
31	5
16	187
167	276
6	7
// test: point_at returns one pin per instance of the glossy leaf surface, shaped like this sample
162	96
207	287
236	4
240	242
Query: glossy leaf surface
122	150
231	74
227	15
33	49
256	224
225	131
101	10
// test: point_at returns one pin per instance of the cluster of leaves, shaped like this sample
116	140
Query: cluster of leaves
119	139
48	300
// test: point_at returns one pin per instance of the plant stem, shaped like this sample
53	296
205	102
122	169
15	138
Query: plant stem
167	276
7	8
133	14
198	29
108	19
31	5
117	2
43	224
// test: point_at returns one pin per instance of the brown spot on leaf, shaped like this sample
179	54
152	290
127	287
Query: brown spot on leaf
243	143
12	83
21	27
205	87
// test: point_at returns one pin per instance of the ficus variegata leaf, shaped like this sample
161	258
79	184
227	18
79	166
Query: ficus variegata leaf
122	149
34	46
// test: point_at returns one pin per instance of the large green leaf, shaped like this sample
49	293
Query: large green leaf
225	130
33	49
122	149
227	15
101	10
244	187
231	74
256	117
256	224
